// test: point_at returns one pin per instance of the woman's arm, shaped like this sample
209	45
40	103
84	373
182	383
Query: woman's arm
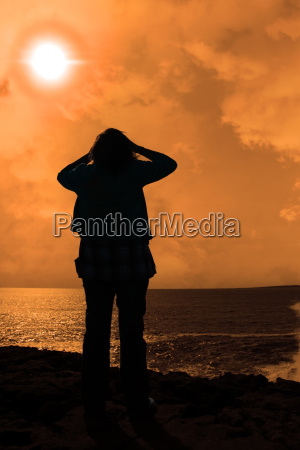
83	160
67	178
152	155
160	166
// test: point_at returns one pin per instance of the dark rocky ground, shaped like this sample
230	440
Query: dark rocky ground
41	409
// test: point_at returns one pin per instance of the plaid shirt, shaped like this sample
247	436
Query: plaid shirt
113	261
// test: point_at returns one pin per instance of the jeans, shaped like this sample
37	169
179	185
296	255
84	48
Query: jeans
131	302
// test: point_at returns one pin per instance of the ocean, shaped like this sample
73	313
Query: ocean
204	332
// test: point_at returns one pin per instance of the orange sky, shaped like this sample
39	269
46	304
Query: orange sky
212	83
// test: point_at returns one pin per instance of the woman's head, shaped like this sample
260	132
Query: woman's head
112	149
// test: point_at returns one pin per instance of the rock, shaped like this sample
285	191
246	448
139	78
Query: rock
14	437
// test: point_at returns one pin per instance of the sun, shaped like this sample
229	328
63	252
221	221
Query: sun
49	61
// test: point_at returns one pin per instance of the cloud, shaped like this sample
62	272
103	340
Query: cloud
187	156
249	53
296	184
107	88
291	214
285	27
228	66
4	88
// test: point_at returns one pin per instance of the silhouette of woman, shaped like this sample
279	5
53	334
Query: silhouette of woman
110	215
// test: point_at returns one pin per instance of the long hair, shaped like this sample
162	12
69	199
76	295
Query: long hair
112	149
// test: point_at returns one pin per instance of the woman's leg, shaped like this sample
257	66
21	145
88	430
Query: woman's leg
131	301
96	345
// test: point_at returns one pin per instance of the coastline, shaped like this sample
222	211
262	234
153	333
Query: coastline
41	409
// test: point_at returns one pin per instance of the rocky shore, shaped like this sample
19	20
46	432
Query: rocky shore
41	409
